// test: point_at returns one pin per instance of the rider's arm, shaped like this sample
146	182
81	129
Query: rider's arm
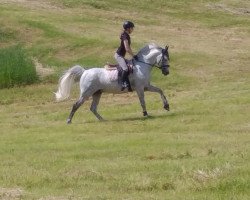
127	47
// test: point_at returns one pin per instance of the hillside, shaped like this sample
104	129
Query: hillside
198	150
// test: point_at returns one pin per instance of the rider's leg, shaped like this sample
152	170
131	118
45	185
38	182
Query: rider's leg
125	81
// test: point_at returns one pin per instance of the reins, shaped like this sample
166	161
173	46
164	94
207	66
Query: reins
144	62
152	65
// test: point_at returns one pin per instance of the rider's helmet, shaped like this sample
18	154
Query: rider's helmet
128	24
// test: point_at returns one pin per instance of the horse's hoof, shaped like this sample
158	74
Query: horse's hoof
68	121
166	107
145	114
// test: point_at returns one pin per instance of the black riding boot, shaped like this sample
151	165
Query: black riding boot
125	81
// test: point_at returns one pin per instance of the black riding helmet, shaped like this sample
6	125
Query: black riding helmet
128	24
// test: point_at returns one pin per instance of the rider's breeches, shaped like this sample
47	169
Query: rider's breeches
121	62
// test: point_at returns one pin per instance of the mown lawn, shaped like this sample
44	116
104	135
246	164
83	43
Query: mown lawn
198	150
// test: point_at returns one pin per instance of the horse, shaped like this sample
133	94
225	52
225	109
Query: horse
95	81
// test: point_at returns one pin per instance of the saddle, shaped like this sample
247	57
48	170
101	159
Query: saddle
111	67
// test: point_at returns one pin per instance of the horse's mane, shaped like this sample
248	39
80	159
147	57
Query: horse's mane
145	50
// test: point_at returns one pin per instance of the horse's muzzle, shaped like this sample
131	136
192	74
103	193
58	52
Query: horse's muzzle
165	70
165	73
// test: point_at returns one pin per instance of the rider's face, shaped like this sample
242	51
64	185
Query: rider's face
130	30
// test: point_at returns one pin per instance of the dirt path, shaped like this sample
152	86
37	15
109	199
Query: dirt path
41	70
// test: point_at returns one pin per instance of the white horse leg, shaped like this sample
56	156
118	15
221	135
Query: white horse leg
152	88
93	108
140	93
75	108
85	95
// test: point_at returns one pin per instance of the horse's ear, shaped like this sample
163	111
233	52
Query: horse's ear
166	47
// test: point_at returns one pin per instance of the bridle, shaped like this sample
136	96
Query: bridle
162	60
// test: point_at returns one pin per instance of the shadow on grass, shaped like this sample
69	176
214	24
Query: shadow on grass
133	119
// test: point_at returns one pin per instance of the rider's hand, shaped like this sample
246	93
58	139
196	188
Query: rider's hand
135	57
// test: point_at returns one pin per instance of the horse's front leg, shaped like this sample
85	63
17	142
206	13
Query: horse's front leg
152	88
140	93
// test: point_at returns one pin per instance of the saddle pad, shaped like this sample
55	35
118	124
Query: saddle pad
113	75
110	67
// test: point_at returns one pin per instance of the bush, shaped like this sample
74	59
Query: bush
16	67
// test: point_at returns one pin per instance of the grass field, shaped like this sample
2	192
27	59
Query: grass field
198	150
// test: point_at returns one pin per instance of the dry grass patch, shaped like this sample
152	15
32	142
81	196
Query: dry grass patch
224	7
205	175
55	198
42	71
11	193
31	4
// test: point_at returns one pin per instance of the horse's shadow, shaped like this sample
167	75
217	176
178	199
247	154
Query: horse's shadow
132	119
139	118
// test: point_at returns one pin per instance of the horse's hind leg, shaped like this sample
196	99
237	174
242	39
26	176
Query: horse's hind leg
96	98
74	109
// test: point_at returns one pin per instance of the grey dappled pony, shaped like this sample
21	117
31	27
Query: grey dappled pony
95	81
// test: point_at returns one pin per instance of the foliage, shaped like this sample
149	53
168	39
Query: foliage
16	68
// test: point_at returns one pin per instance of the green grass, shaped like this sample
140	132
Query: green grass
198	150
127	156
49	30
6	35
16	68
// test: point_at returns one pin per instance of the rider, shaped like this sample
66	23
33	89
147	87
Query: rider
124	48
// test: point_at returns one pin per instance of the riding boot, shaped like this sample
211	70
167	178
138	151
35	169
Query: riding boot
125	81
129	85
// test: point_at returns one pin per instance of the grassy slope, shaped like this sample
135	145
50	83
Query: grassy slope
199	150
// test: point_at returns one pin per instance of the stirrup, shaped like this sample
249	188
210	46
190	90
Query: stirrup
126	85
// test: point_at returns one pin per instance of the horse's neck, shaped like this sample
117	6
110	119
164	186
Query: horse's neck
151	56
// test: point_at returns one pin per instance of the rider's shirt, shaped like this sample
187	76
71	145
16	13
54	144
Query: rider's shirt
121	50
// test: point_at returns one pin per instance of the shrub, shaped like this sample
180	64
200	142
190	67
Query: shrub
16	67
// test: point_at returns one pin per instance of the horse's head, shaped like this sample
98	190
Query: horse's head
163	61
154	55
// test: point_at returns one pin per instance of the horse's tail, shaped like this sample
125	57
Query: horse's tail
66	81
